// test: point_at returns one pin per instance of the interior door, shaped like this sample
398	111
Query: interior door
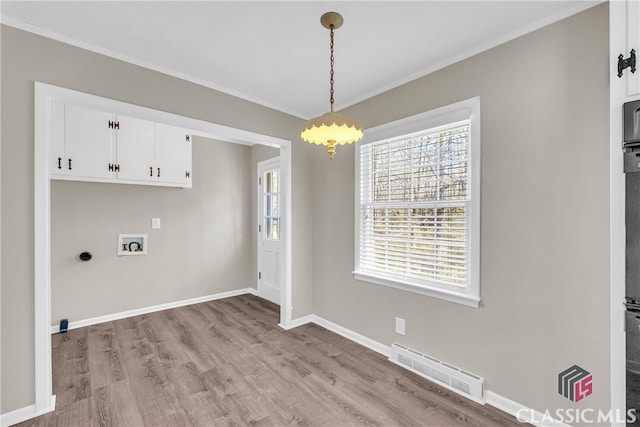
269	230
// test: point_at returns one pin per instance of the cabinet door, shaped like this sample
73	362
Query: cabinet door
633	42
135	149
88	147
173	155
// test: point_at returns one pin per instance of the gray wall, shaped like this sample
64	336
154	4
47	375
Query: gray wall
545	219
27	57
203	246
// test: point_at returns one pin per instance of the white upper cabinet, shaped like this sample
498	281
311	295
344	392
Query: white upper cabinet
92	145
173	154
624	21
633	42
135	148
82	143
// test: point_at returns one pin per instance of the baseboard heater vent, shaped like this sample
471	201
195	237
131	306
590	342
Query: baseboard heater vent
456	379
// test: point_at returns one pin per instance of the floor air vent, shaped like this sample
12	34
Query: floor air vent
469	385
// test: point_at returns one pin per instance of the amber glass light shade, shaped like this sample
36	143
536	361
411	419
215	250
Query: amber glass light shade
332	129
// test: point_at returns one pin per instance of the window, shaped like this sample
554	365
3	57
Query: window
418	200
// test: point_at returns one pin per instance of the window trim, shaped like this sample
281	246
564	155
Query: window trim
464	110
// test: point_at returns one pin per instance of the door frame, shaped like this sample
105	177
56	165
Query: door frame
262	165
44	94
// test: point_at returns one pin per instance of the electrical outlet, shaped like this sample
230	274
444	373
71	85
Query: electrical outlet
400	324
155	222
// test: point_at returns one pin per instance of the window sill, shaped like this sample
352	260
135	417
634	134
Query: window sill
442	294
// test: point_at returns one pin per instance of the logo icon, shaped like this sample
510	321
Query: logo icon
575	383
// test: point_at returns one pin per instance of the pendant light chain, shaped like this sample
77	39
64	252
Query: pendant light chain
331	75
331	129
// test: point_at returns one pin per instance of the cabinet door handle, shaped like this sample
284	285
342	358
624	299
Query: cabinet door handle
59	163
116	168
69	164
150	170
110	167
158	172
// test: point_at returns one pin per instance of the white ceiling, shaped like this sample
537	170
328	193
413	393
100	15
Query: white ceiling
276	53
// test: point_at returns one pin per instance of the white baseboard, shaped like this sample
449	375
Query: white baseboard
145	310
26	413
353	336
521	412
333	327
297	322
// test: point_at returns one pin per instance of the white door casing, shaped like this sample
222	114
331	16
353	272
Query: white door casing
270	224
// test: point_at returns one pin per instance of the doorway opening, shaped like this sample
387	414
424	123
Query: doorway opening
45	95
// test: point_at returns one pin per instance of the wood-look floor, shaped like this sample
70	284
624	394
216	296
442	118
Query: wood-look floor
227	362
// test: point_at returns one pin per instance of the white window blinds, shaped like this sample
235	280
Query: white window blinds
414	207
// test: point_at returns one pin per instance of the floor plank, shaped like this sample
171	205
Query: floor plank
227	363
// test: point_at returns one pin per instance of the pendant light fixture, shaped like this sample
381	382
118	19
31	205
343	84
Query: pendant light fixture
331	128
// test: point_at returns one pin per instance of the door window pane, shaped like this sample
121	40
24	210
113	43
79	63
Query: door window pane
267	228
267	205
271	205
275	229
267	182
